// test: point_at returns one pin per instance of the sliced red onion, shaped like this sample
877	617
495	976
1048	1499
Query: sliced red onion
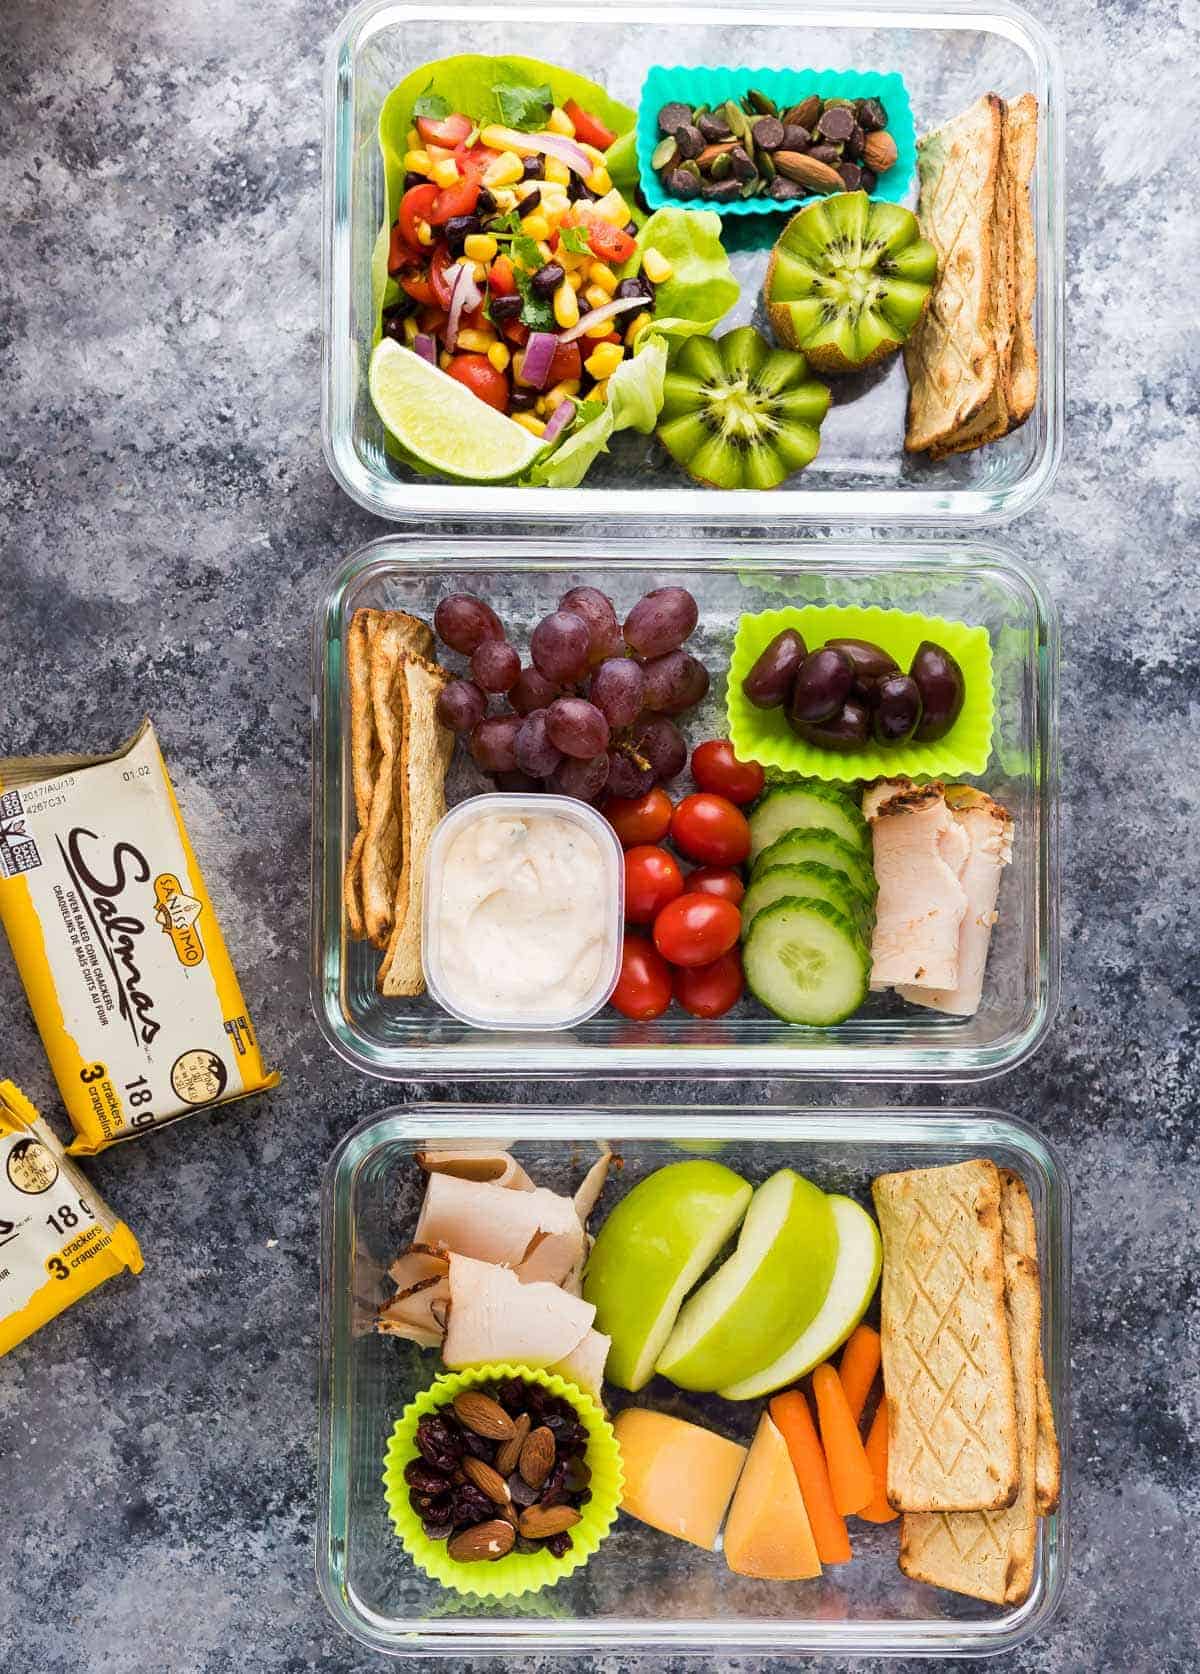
425	346
558	145
464	295
587	321
558	422
538	358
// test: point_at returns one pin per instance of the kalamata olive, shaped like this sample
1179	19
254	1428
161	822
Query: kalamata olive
822	685
846	732
942	687
871	663
769	682
897	708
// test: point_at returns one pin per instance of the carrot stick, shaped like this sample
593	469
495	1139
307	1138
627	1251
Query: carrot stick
795	1424
849	1473
858	1366
879	1511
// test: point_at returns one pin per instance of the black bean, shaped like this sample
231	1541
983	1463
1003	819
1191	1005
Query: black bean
577	192
485	203
523	400
505	307
639	286
547	280
458	229
534	168
411	180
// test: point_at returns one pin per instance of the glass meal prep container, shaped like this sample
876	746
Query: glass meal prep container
948	55
644	1591
523	578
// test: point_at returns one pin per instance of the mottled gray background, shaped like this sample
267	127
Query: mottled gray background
167	526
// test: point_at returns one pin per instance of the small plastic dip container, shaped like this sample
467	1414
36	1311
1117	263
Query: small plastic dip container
523	906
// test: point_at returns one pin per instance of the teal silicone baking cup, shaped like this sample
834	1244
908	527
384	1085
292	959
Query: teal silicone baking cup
700	84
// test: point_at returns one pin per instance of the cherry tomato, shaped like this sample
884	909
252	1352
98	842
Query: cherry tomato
716	880
710	990
640	819
608	243
459	199
696	929
516	331
432	319
415	206
710	829
589	129
439	263
644	986
482	379
567	363
652	878
418	286
449	131
716	768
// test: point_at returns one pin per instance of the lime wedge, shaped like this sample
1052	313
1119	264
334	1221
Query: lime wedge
439	421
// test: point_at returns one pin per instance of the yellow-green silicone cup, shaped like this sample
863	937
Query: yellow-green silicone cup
763	735
519	1572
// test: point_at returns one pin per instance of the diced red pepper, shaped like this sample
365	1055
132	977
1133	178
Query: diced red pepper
501	278
449	131
516	331
433	319
567	363
589	128
608	243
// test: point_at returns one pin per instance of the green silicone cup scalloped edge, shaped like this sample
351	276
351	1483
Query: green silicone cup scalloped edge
763	735
518	1573
702	83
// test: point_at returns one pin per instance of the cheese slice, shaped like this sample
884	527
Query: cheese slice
678	1477
768	1534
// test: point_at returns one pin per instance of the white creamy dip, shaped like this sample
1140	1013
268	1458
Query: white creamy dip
524	911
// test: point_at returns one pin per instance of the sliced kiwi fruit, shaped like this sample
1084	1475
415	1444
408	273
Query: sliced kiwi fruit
848	280
738	414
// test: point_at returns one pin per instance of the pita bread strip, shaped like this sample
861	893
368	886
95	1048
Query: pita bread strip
356	926
1049	1462
380	864
364	749
1022	127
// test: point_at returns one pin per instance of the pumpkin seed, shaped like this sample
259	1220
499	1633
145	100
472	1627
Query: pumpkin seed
665	153
761	103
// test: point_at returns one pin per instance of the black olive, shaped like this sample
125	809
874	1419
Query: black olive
547	280
871	665
411	180
942	687
534	168
846	732
769	683
897	709
458	229
638	286
821	687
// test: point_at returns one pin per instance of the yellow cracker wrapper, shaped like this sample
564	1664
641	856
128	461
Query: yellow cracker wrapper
58	1240
117	944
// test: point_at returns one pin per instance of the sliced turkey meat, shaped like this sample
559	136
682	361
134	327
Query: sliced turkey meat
586	1361
487	1163
988	829
537	1232
421	1277
493	1316
920	850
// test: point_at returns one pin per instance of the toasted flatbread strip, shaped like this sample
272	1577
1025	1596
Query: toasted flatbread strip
947	1364
425	752
364	745
951	355
990	1554
1021	125
381	851
352	890
1049	1463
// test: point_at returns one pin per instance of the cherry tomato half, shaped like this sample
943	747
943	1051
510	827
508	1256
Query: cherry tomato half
418	286
644	986
449	131
459	199
567	363
415	206
589	129
696	929
716	880
482	379
716	768
710	990
710	829
440	262
652	878
640	819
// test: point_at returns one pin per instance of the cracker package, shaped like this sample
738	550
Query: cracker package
58	1240
117	944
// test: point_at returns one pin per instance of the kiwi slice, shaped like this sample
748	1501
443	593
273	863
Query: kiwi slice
738	414
848	280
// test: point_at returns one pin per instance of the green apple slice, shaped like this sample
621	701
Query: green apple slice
651	1251
765	1294
859	1259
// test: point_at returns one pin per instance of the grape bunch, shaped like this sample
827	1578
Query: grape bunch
591	713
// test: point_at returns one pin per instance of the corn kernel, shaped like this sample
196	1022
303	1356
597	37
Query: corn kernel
480	247
656	267
498	138
444	360
499	356
599	392
418	162
554	207
545	253
558	122
611	208
558	174
566	306
596	296
479	273
505	171
424	232
413	140
599	181
602	329
590	151
476	342
445	173
527	421
601	274
506	199
537	226
411	330
575	280
527	189
604	360
562	391
637	326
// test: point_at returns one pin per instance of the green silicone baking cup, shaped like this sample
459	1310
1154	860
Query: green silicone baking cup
519	1572
763	735
701	84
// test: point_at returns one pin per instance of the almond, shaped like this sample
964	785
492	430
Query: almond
537	1456
541	1521
484	1543
509	1452
487	1480
808	172
484	1416
879	151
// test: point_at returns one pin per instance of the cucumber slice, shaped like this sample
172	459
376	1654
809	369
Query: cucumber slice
814	881
825	846
806	962
809	807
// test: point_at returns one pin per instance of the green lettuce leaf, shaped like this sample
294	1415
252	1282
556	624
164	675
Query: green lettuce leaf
635	395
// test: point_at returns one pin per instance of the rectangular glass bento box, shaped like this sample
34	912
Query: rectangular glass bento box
642	1591
523	578
949	54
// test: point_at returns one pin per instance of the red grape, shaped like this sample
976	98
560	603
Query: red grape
674	682
626	778
617	688
582	779
536	755
495	665
463	622
596	609
517	781
532	691
661	621
493	743
461	705
577	727
661	742
559	647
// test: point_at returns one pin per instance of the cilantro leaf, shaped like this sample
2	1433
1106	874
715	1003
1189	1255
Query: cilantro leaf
526	252
574	240
522	106
536	313
431	105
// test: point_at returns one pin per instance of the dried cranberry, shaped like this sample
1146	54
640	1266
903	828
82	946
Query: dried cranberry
558	1545
522	1493
440	1446
423	1477
437	1530
479	1446
512	1396
470	1506
526	1546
